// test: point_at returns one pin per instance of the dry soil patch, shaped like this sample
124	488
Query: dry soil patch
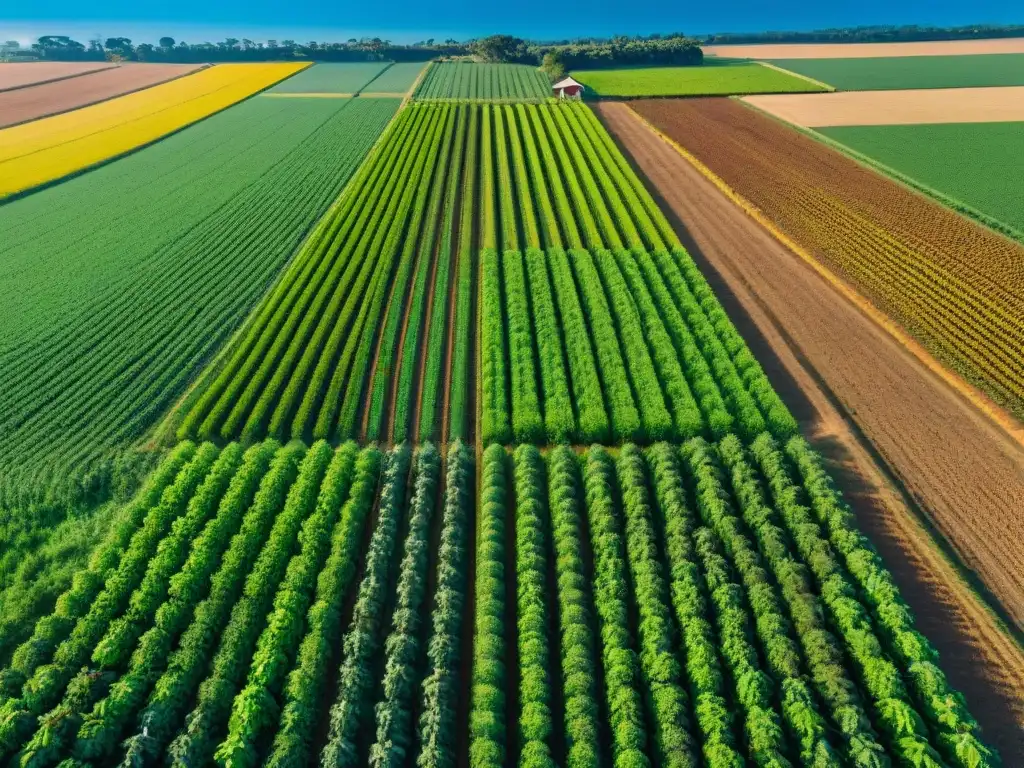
913	107
32	103
907	450
867	50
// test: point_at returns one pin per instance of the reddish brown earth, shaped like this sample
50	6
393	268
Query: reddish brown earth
21	74
32	103
936	486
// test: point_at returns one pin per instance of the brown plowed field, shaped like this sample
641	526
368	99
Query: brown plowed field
908	451
867	50
954	285
22	74
906	107
39	101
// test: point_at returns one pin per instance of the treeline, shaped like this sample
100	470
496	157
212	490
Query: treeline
589	52
872	34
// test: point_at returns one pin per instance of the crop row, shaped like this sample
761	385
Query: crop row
337	349
206	629
713	605
483	82
113	309
584	344
587	347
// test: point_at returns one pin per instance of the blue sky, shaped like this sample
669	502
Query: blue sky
408	20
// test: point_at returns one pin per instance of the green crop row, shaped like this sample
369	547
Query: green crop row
711	604
487	727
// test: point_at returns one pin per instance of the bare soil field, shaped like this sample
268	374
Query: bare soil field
953	285
913	107
22	74
24	104
914	459
866	50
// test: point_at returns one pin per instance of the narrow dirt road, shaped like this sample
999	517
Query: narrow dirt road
907	451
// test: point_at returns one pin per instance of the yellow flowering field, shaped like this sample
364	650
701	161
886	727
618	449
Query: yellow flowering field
43	150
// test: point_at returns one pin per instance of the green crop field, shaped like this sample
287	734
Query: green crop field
484	82
462	463
891	73
716	77
978	164
397	78
332	78
334	351
121	283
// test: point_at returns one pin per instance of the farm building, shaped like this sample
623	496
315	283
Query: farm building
568	88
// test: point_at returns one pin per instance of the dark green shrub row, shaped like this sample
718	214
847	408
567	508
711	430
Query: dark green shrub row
101	729
255	707
205	724
173	691
532	610
352	710
659	661
437	726
822	650
896	711
943	706
575	612
622	673
689	601
777	635
403	649
487	728
306	683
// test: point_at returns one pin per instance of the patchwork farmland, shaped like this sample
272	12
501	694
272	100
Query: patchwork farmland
421	431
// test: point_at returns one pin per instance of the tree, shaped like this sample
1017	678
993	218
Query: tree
121	46
553	65
500	48
166	42
59	43
143	51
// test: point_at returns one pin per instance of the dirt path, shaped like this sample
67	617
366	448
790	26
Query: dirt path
908	452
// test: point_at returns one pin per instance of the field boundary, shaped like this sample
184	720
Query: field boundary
310	95
100	163
968	392
791	73
55	79
197	70
997	226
